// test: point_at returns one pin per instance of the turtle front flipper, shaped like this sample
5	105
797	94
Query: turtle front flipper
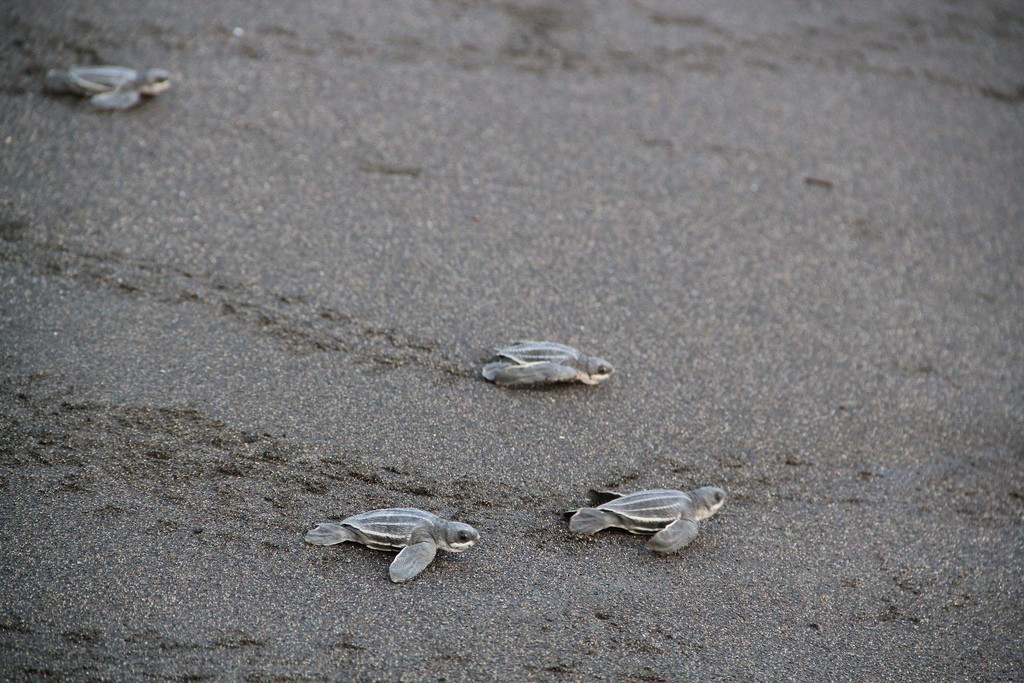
116	99
675	536
413	559
511	374
328	533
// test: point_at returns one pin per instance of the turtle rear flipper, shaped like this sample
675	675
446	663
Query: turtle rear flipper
590	521
509	374
675	536
116	99
58	81
491	370
598	497
412	560
328	533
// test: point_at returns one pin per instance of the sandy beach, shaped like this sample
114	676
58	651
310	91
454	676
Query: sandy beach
261	300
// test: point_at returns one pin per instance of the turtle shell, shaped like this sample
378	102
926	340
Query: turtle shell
647	511
540	351
390	529
100	79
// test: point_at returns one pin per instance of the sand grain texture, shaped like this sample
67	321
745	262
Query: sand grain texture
260	300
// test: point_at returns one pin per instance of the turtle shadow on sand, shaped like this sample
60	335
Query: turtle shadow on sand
541	388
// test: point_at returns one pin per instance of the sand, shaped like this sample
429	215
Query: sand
261	300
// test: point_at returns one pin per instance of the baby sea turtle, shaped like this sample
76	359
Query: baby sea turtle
109	87
415	533
541	362
671	516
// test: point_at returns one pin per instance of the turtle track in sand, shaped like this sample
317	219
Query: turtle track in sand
202	467
300	325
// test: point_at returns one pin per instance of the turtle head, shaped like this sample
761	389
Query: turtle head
706	501
459	537
154	81
595	370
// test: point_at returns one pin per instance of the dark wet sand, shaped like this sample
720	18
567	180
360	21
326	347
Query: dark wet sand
259	302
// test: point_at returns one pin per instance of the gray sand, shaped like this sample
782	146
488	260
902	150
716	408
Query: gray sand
260	301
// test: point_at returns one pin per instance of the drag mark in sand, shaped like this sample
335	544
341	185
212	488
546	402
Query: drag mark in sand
301	326
193	462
